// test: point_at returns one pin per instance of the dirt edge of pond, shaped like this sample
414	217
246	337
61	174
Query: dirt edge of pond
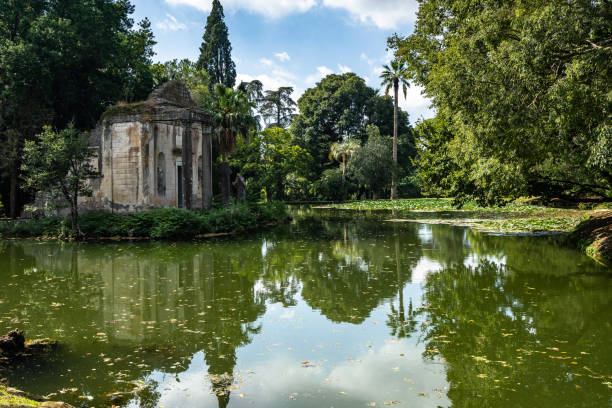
13	398
594	236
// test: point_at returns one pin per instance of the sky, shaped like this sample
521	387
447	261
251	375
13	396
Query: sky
291	42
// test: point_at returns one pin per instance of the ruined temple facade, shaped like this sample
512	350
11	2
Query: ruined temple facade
153	154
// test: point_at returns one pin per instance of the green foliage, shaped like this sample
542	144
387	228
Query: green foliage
437	171
196	79
277	107
59	163
373	165
216	50
333	186
171	223
297	188
176	223
343	152
233	117
43	227
268	159
341	107
526	88
63	62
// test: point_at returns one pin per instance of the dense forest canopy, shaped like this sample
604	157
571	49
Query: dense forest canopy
523	94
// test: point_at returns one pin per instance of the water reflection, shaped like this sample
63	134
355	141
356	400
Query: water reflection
515	320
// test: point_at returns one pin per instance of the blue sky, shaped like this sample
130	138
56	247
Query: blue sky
291	42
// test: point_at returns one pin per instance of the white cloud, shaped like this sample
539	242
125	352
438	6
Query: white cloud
416	104
266	62
322	72
385	14
283	56
268	8
269	82
344	69
171	24
367	59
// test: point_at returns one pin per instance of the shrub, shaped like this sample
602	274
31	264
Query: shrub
99	224
47	226
172	223
272	212
175	223
333	187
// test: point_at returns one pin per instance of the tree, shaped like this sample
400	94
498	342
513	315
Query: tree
342	152
59	163
331	111
270	161
232	117
436	169
372	165
63	62
527	88
395	75
216	50
254	93
277	107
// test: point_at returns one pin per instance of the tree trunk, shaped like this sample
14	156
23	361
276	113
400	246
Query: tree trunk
344	167
13	193
225	181
394	176
74	214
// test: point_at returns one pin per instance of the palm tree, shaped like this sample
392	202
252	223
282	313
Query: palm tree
232	117
394	76
343	152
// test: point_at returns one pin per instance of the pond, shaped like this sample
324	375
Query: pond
324	312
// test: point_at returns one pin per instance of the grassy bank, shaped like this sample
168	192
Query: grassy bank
172	223
11	398
594	236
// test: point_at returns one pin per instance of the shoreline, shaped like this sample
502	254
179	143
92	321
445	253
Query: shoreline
588	230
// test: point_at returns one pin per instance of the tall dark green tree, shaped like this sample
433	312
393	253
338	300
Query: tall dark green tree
216	49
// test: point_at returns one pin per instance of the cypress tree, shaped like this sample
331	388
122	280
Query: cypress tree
216	50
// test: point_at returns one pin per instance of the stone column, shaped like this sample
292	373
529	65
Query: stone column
187	165
207	182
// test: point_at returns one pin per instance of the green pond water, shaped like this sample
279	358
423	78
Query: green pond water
335	312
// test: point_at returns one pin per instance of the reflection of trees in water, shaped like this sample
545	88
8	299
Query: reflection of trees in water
519	340
345	269
157	305
160	304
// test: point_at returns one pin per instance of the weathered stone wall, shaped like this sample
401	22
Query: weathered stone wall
153	154
140	166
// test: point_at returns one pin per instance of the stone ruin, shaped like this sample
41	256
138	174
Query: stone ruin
153	154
